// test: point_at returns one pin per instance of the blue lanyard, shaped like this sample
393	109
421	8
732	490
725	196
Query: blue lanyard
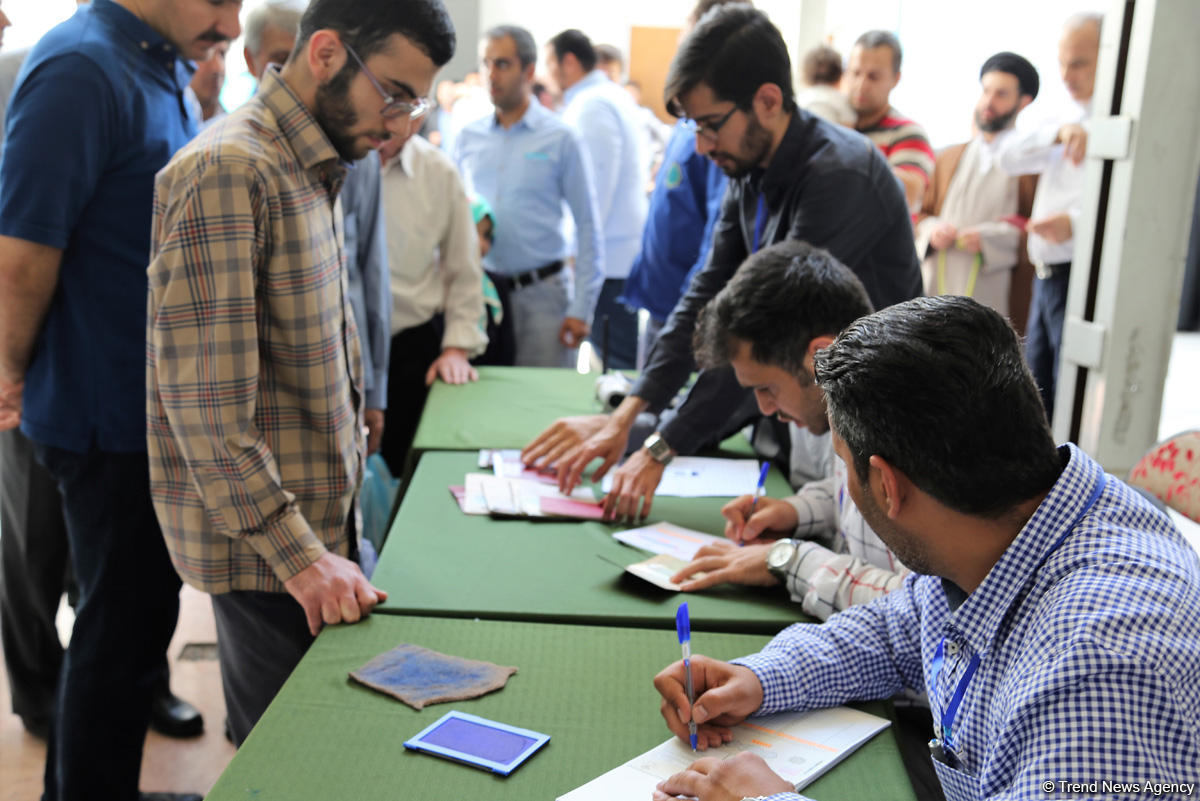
959	691
760	220
939	656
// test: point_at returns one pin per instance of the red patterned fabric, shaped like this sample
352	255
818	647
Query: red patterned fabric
1171	470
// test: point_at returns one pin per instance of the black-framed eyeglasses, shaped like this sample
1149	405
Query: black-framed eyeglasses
393	108
709	130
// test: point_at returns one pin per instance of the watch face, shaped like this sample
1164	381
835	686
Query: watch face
780	554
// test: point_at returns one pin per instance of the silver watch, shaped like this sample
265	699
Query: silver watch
660	451
779	558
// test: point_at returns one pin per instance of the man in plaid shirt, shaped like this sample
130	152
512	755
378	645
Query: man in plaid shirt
254	374
1052	612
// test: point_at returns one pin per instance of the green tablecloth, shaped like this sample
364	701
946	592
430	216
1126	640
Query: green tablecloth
327	738
509	406
438	561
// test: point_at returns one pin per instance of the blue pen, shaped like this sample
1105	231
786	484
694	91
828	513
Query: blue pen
683	626
759	490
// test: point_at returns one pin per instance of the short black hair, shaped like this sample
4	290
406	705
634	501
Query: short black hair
1016	66
523	39
938	387
366	25
609	54
734	49
778	301
575	42
822	66
873	39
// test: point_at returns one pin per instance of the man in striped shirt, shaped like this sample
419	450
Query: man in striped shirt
872	72
254	374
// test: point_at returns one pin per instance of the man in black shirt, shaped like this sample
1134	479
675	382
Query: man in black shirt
795	176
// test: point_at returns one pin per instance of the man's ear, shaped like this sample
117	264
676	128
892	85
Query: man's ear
818	343
1024	101
325	54
768	102
893	485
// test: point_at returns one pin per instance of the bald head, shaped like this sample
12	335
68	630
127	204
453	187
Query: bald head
1078	50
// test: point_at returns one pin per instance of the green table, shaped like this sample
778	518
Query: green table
325	737
440	562
509	406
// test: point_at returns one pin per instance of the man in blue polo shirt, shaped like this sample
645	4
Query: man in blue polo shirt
105	87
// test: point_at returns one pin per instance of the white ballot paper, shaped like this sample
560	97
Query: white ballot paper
703	477
667	538
799	746
489	494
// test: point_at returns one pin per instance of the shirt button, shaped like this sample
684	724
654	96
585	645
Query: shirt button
951	649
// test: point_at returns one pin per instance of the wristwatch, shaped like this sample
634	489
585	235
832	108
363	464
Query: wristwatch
660	451
779	558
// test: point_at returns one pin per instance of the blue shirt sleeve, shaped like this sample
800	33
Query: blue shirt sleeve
52	162
578	187
376	282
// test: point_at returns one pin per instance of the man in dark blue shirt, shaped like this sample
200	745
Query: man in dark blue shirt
97	110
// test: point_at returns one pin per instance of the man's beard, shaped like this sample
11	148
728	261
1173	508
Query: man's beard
997	124
336	116
756	140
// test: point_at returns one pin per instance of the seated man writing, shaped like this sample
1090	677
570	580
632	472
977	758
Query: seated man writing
752	326
1052	613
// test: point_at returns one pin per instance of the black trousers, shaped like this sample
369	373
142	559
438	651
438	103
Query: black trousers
261	638
33	571
126	613
622	327
413	350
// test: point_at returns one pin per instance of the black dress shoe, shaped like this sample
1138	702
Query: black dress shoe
172	716
169	797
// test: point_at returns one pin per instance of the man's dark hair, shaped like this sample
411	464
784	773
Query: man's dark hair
822	66
704	6
1016	66
778	301
873	39
734	49
576	43
937	387
608	54
523	39
366	25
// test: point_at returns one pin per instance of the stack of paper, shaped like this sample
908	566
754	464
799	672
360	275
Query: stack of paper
799	746
674	545
497	496
704	477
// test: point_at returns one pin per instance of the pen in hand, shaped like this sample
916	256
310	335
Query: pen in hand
759	491
683	627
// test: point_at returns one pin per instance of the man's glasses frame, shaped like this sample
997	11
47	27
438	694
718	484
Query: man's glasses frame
393	108
709	130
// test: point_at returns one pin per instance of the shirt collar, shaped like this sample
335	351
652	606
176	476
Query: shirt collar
788	161
982	614
593	78
297	124
534	117
139	32
403	160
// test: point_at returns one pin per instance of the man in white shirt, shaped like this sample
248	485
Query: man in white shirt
436	281
1055	152
606	118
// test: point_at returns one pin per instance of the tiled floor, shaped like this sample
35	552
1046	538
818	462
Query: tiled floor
194	765
191	765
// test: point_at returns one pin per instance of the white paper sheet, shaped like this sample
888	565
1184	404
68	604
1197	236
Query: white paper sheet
799	746
668	538
489	494
704	477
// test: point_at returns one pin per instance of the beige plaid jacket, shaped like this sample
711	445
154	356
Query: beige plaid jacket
253	369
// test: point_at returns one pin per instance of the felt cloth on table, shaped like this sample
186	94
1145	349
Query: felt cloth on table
418	676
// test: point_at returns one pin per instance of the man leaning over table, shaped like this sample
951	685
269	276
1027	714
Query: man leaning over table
254	375
1054	602
793	176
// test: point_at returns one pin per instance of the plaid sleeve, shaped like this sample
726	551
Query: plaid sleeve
825	582
805	665
204	338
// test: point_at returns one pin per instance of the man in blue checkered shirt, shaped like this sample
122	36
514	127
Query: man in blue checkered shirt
1053	615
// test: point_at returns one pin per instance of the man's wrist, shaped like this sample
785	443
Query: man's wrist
659	449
